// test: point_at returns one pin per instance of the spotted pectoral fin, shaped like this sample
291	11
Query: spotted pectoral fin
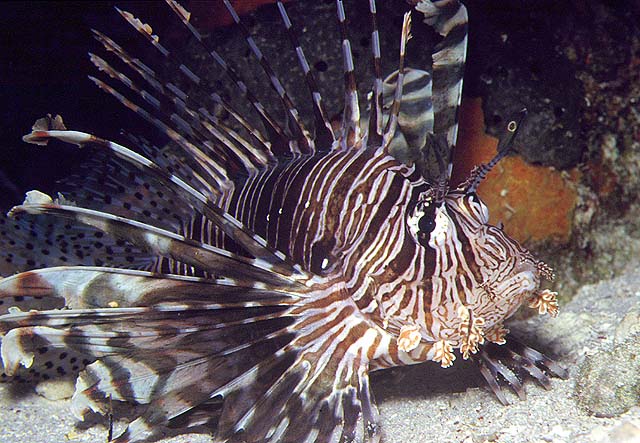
512	362
34	352
210	259
253	244
29	242
37	354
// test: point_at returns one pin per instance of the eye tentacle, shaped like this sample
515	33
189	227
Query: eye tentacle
505	146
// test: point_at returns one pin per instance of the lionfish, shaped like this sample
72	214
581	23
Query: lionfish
246	281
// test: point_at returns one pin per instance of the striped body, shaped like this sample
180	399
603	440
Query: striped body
347	215
273	269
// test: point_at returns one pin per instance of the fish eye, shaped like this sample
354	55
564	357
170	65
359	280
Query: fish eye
421	222
427	223
512	126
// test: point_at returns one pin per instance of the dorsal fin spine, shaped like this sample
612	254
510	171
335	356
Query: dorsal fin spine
324	131
213	168
351	112
280	143
197	129
392	123
251	159
301	135
449	19
375	119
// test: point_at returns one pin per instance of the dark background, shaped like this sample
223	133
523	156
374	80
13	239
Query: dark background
43	70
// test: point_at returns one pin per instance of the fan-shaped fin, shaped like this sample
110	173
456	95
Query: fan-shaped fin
288	367
304	141
110	184
329	364
170	158
32	339
27	243
449	19
86	287
208	258
255	245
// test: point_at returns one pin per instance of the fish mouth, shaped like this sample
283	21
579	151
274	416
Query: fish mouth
518	288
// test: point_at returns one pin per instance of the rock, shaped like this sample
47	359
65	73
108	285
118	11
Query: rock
609	381
629	325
